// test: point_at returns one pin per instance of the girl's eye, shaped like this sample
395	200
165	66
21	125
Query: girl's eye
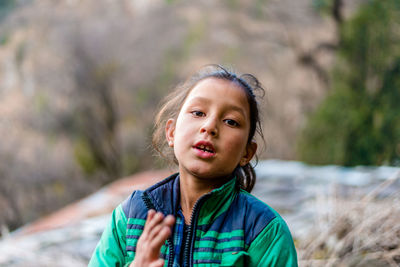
198	113
231	122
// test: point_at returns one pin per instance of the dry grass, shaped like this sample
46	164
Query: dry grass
361	230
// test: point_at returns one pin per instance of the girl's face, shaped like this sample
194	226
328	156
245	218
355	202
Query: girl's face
210	135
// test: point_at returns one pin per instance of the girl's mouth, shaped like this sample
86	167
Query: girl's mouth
204	149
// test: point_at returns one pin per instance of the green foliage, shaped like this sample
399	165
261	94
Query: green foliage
196	33
130	164
85	157
41	102
6	6
20	54
233	4
230	54
322	6
4	39
359	122
258	8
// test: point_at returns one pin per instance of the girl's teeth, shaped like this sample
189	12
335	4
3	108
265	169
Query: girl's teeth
205	148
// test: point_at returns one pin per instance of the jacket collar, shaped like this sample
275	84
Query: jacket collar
165	196
218	201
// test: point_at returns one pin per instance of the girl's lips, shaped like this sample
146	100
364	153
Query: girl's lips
204	149
203	154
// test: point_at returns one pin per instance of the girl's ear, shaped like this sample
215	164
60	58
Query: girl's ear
170	132
249	153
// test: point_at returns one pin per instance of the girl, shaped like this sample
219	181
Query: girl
204	215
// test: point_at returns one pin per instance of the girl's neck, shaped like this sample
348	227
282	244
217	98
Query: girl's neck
192	188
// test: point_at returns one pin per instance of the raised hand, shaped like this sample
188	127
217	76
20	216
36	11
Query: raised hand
156	230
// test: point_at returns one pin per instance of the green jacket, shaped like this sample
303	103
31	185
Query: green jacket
229	227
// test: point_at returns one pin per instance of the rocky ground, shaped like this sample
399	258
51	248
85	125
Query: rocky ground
69	236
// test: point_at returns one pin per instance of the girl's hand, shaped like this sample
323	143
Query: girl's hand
156	230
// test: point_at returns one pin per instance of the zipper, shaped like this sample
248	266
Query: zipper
150	206
190	239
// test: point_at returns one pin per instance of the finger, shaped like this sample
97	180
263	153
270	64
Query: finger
160	239
157	263
169	220
155	230
155	220
156	239
150	214
150	217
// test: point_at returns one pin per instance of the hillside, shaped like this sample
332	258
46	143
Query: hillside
81	81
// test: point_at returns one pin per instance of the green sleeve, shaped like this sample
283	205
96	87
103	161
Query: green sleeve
110	251
273	246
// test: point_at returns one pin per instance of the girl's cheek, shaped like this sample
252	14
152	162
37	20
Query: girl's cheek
237	143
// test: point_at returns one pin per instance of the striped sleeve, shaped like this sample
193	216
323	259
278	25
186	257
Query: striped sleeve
273	246
110	250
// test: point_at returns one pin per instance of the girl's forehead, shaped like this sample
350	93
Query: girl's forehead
210	88
225	94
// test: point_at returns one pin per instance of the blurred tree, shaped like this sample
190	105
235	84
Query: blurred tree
97	147
333	8
359	121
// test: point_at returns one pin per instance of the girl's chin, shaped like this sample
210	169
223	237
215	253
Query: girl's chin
204	170
209	175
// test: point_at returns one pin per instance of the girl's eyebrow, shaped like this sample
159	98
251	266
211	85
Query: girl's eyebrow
228	106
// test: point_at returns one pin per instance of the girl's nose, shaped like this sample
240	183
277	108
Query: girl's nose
210	127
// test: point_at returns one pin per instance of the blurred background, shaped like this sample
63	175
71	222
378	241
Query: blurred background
81	81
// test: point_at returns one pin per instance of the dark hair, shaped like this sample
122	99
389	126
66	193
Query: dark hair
245	175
